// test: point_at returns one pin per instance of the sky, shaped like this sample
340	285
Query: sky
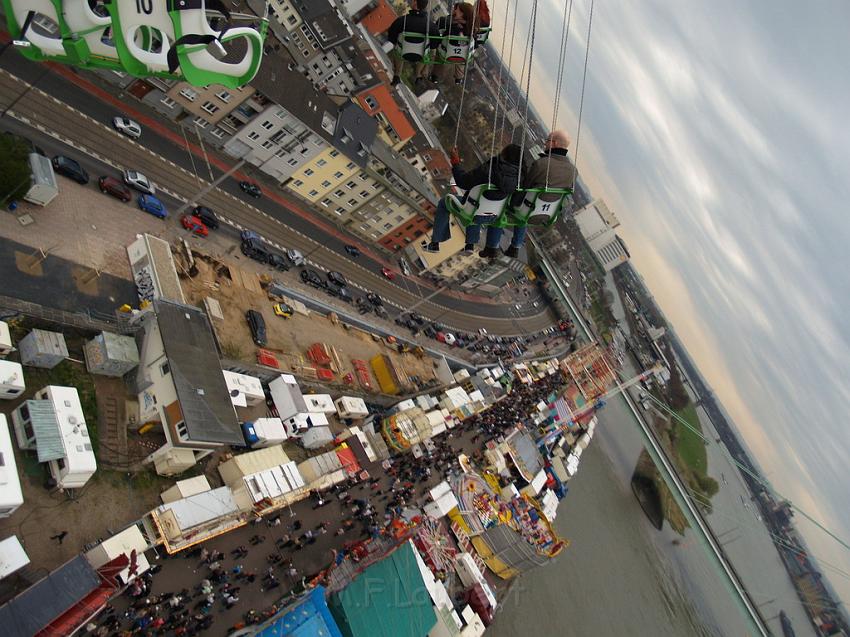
719	134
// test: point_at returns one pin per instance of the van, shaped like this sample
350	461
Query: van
257	325
254	249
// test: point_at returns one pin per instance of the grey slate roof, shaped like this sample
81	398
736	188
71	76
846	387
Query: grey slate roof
400	166
49	597
355	133
196	369
324	21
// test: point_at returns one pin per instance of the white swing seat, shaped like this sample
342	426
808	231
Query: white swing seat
542	208
413	46
138	32
50	45
90	27
455	48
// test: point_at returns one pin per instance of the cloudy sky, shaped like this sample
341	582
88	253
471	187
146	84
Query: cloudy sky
719	133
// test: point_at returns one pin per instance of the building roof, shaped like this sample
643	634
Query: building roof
195	367
294	92
48	437
309	617
354	134
48	598
324	21
12	556
387	105
389	599
199	508
379	19
10	482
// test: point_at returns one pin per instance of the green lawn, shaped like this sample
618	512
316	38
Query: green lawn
690	446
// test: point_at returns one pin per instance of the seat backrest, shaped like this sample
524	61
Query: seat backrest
91	28
413	46
546	208
46	12
455	48
492	203
143	34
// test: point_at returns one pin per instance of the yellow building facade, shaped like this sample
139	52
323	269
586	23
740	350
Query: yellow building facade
324	174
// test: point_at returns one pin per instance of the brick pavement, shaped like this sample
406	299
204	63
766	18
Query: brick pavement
180	571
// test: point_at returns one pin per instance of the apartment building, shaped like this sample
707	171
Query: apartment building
378	101
205	106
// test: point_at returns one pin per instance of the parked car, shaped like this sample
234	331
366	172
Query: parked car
311	277
345	294
405	266
352	250
282	309
194	225
70	168
449	338
247	235
337	278
295	257
127	127
207	216
257	325
137	180
388	274
152	205
278	262
429	331
251	189
254	249
374	299
111	186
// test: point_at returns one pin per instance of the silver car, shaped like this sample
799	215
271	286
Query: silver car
137	180
127	127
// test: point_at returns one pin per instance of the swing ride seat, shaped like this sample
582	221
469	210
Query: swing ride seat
483	35
483	205
42	44
454	49
540	206
413	46
89	34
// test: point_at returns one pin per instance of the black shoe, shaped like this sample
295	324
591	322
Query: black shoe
512	252
469	248
488	253
433	79
396	79
458	80
432	247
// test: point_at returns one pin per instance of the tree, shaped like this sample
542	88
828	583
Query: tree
15	176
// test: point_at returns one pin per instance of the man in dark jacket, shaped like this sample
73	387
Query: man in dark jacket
416	21
553	169
504	175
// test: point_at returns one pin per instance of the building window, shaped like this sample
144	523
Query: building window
352	202
339	211
309	172
298	183
326	202
326	184
334	153
267	144
224	96
321	162
292	161
218	133
164	368
387	226
350	165
312	193
267	125
167	101
371	102
337	175
200	122
253	135
350	185
210	108
188	94
364	193
182	432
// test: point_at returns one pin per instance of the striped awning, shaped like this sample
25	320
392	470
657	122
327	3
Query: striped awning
48	436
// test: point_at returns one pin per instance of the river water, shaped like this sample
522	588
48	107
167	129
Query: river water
621	576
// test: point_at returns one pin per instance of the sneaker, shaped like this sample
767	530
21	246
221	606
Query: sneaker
512	252
469	248
458	80
396	79
433	79
488	253
432	247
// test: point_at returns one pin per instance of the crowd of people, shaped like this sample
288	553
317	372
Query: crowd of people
232	581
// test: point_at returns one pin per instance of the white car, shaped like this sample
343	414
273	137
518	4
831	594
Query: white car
295	257
127	127
405	266
138	181
450	338
482	331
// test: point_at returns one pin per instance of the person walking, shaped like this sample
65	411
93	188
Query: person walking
59	536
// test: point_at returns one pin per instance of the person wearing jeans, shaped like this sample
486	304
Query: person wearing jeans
502	172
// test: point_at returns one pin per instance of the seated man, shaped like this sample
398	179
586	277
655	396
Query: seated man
416	21
561	175
505	175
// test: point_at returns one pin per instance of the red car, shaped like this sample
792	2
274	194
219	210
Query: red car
112	186
195	225
389	274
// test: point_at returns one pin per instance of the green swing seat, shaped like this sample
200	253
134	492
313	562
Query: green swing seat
450	49
488	206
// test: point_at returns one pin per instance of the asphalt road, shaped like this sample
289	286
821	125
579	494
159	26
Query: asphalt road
82	119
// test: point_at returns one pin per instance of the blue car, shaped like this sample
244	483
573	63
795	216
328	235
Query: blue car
152	205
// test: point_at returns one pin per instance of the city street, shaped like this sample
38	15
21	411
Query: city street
172	168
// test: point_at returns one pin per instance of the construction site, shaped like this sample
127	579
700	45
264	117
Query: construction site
309	344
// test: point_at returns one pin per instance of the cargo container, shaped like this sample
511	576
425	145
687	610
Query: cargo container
386	374
43	185
41	348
